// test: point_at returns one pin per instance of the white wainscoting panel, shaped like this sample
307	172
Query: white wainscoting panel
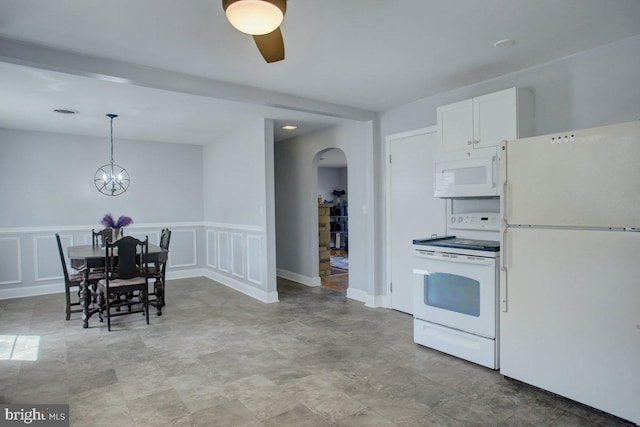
66	240
47	260
182	249
236	258
237	255
154	236
223	251
10	260
212	258
30	263
254	259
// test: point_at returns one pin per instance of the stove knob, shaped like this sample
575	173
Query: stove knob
460	219
453	220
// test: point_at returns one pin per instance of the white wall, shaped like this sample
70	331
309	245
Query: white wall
592	88
238	210
296	162
46	187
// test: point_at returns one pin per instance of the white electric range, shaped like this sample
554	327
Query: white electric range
456	289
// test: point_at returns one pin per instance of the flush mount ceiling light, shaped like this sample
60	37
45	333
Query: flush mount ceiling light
111	179
504	43
289	127
64	111
261	19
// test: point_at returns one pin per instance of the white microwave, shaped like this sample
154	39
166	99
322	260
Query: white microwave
468	173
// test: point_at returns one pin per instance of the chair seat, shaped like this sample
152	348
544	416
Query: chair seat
93	276
118	283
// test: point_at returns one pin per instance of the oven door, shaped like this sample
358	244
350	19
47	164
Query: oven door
457	291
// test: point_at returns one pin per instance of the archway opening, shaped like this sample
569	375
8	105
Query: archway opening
333	220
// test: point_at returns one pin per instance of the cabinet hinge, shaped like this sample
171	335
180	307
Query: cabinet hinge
391	286
389	158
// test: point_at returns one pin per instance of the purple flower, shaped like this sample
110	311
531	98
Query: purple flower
109	222
123	221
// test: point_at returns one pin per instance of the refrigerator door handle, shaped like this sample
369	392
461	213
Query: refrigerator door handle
503	272
503	177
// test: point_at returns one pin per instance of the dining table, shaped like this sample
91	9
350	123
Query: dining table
84	258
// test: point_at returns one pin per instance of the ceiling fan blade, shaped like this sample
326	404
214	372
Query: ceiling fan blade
271	46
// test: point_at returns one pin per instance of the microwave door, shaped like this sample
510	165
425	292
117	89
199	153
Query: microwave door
473	177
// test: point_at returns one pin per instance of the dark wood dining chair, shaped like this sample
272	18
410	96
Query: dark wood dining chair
126	276
158	273
73	281
100	238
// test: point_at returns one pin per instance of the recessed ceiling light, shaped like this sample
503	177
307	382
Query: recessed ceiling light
289	127
504	43
64	111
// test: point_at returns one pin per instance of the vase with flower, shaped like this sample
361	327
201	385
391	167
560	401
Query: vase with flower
116	226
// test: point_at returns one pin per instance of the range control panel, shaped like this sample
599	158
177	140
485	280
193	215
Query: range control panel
475	221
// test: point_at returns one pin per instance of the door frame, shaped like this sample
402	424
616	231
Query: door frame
389	139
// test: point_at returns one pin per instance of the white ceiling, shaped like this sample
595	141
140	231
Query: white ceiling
344	59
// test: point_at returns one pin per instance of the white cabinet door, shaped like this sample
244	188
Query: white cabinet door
486	120
495	118
455	126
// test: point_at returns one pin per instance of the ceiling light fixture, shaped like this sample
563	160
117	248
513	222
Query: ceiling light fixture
255	17
111	179
261	19
289	127
504	43
64	111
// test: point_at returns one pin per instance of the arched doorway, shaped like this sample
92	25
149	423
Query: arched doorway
333	219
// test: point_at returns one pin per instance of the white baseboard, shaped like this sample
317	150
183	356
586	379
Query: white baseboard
299	278
259	294
373	301
361	296
54	288
32	291
185	274
382	301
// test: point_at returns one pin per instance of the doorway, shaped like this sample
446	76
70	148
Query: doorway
333	220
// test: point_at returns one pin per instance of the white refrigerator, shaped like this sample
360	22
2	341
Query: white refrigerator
570	266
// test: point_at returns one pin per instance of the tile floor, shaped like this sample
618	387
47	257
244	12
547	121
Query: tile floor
219	358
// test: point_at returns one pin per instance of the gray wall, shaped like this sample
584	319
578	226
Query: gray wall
238	210
46	187
234	177
592	88
46	179
330	179
296	176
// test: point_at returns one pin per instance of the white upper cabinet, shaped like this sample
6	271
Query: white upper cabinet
486	120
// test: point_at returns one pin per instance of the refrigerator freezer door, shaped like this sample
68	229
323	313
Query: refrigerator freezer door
573	320
585	178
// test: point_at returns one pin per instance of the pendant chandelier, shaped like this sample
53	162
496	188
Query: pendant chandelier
111	179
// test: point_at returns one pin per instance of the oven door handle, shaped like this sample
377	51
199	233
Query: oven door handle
461	259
